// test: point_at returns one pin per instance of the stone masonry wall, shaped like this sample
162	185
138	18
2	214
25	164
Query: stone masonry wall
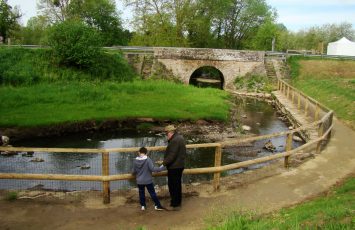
182	62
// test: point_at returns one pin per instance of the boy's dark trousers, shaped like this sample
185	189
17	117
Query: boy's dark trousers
153	195
174	184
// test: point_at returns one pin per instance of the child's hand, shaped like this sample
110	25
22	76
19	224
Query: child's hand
159	162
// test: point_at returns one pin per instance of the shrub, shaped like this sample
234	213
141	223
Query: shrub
74	43
21	66
11	196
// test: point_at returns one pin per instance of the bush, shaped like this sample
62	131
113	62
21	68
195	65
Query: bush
254	83
74	43
21	66
11	196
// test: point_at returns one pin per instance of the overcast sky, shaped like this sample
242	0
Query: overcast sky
294	14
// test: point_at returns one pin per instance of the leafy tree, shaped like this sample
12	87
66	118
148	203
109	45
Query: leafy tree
265	35
314	37
74	43
98	14
101	15
241	21
153	23
8	19
54	10
35	30
199	23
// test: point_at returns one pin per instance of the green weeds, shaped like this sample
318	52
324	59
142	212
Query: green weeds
254	83
11	196
333	211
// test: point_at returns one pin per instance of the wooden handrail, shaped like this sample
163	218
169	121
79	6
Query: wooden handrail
105	178
304	95
186	171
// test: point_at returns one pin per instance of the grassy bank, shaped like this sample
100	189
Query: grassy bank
46	104
21	66
332	82
332	211
35	91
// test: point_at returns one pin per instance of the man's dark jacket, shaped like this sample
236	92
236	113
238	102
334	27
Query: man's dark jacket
175	152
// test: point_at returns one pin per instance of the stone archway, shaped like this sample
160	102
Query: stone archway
207	76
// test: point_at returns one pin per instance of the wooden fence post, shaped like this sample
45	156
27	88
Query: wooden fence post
288	148
320	133
316	112
106	172
330	119
288	91
217	162
293	95
299	101
306	108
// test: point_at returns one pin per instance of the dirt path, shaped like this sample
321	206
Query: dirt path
286	188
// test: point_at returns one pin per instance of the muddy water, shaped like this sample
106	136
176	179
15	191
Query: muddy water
259	115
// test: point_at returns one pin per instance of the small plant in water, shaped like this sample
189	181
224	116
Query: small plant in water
11	196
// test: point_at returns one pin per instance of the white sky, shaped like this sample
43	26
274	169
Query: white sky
294	14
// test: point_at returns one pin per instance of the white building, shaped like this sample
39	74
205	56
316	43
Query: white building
341	47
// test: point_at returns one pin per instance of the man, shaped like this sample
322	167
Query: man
174	160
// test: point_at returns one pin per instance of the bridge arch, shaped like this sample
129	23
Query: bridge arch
207	76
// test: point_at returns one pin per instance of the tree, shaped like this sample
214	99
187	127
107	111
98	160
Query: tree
8	19
241	20
198	23
74	43
35	30
54	10
101	15
314	37
153	23
98	14
265	35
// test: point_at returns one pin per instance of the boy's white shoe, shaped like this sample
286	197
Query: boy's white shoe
159	208
143	208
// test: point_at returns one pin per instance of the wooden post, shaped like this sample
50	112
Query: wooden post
281	87
278	85
320	133
288	148
330	118
316	112
106	172
306	107
293	95
217	162
299	101
288	91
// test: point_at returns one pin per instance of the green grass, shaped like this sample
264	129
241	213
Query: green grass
336	92
21	66
333	211
55	103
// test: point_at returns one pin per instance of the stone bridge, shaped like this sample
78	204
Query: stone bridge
189	64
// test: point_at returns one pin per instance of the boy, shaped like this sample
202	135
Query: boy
143	168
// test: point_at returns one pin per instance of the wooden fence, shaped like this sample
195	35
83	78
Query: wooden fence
324	126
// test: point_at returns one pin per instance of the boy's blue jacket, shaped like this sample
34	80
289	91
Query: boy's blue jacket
143	167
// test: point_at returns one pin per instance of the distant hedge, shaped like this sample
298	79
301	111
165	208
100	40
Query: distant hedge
22	66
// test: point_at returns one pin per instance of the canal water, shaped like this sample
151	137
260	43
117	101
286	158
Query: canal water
259	115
